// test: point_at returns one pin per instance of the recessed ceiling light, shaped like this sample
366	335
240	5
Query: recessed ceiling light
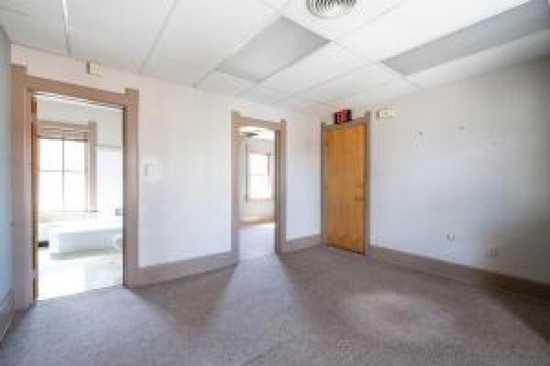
506	27
330	8
278	46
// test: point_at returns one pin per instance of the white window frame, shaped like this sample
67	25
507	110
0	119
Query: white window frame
270	169
63	131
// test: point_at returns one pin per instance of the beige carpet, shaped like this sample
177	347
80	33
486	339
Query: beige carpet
314	307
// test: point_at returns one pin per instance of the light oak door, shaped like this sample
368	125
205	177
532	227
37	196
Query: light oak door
345	179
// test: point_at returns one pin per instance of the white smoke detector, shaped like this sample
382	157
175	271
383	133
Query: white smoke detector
330	8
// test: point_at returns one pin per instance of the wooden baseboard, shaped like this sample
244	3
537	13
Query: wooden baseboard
7	313
463	273
169	271
293	245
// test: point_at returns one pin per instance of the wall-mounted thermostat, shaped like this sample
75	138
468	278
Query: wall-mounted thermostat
384	113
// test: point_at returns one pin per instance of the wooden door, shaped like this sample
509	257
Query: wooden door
345	166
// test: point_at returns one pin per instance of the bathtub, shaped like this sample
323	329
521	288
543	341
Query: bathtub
82	235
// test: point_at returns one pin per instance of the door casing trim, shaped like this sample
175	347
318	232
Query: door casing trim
237	121
23	87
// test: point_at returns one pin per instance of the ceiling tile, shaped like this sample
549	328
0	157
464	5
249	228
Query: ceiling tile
417	22
106	51
514	24
278	46
171	70
363	12
46	10
351	83
35	24
382	93
322	65
264	95
122	22
200	34
523	50
277	4
220	83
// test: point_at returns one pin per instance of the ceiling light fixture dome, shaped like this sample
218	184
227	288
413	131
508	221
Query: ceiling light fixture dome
330	8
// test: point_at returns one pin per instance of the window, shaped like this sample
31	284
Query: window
259	176
63	170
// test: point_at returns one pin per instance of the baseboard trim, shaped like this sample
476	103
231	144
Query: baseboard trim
466	274
7	314
293	245
170	271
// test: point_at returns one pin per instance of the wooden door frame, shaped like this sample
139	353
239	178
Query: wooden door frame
23	88
366	121
238	121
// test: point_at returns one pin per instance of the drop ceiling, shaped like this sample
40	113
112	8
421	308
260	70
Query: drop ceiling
381	50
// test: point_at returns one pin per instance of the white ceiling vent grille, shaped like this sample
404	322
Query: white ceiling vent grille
330	8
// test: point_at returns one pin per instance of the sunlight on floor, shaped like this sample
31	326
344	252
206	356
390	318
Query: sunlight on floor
256	240
71	274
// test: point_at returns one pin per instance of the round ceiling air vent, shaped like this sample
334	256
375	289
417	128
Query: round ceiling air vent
330	8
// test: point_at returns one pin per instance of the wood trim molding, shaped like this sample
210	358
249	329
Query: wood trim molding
305	242
41	85
171	271
7	314
280	129
131	187
24	86
466	274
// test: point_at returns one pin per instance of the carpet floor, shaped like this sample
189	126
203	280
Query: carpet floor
256	240
314	307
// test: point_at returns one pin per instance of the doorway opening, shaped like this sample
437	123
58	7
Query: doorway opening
256	192
78	188
258	187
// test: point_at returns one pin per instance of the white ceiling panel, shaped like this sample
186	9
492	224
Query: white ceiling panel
124	22
106	52
378	94
35	24
46	10
203	33
363	12
281	44
172	70
277	4
349	84
264	95
322	65
417	22
220	83
523	50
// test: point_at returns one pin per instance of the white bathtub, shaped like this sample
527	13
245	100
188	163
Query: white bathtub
83	235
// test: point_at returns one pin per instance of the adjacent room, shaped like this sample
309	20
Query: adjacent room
79	196
274	182
257	187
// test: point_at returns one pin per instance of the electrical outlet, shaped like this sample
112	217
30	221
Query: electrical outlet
491	252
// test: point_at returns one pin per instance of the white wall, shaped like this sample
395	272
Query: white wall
5	177
185	212
251	210
471	159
